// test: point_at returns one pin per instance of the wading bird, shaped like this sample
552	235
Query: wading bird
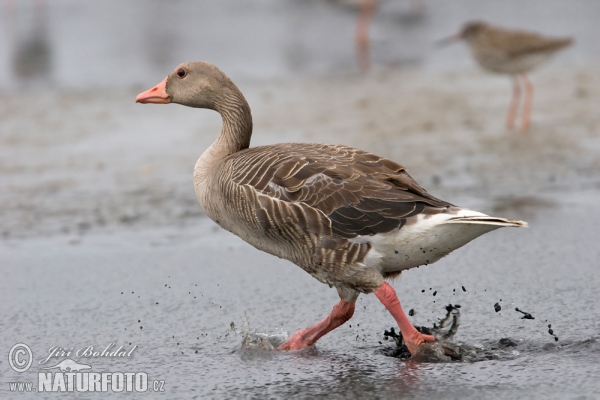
510	51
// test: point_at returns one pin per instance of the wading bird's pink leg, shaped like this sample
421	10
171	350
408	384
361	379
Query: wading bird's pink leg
514	103
412	337
527	104
361	35
341	313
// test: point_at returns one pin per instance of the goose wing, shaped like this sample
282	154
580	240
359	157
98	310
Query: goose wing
358	192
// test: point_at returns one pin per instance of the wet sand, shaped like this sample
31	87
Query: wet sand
100	230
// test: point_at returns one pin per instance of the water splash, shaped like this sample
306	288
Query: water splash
251	339
442	349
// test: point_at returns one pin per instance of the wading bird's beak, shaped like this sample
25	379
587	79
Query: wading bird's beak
449	40
156	95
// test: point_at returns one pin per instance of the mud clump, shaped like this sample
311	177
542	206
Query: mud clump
444	330
507	342
551	332
526	315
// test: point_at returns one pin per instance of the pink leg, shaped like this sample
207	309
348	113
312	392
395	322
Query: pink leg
341	313
514	103
362	35
412	337
527	104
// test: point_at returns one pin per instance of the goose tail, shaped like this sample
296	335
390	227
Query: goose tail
487	220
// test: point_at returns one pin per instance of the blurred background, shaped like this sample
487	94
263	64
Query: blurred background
100	228
70	70
69	44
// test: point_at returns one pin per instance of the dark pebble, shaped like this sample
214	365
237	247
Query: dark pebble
550	331
434	293
464	290
497	307
422	291
411	312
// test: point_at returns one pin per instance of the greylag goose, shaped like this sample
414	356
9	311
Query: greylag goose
510	51
349	218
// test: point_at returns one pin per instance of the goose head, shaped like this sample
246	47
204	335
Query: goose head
193	84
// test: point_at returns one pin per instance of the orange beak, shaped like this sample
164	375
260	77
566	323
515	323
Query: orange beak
156	95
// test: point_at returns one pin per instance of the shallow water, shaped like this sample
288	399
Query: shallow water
103	241
186	286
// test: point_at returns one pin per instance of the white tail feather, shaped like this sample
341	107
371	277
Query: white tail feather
487	220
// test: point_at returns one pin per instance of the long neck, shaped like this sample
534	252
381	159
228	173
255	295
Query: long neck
237	124
235	134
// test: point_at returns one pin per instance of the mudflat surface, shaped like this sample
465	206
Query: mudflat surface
101	230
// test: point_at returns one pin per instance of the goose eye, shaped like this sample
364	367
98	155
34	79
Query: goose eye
181	72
